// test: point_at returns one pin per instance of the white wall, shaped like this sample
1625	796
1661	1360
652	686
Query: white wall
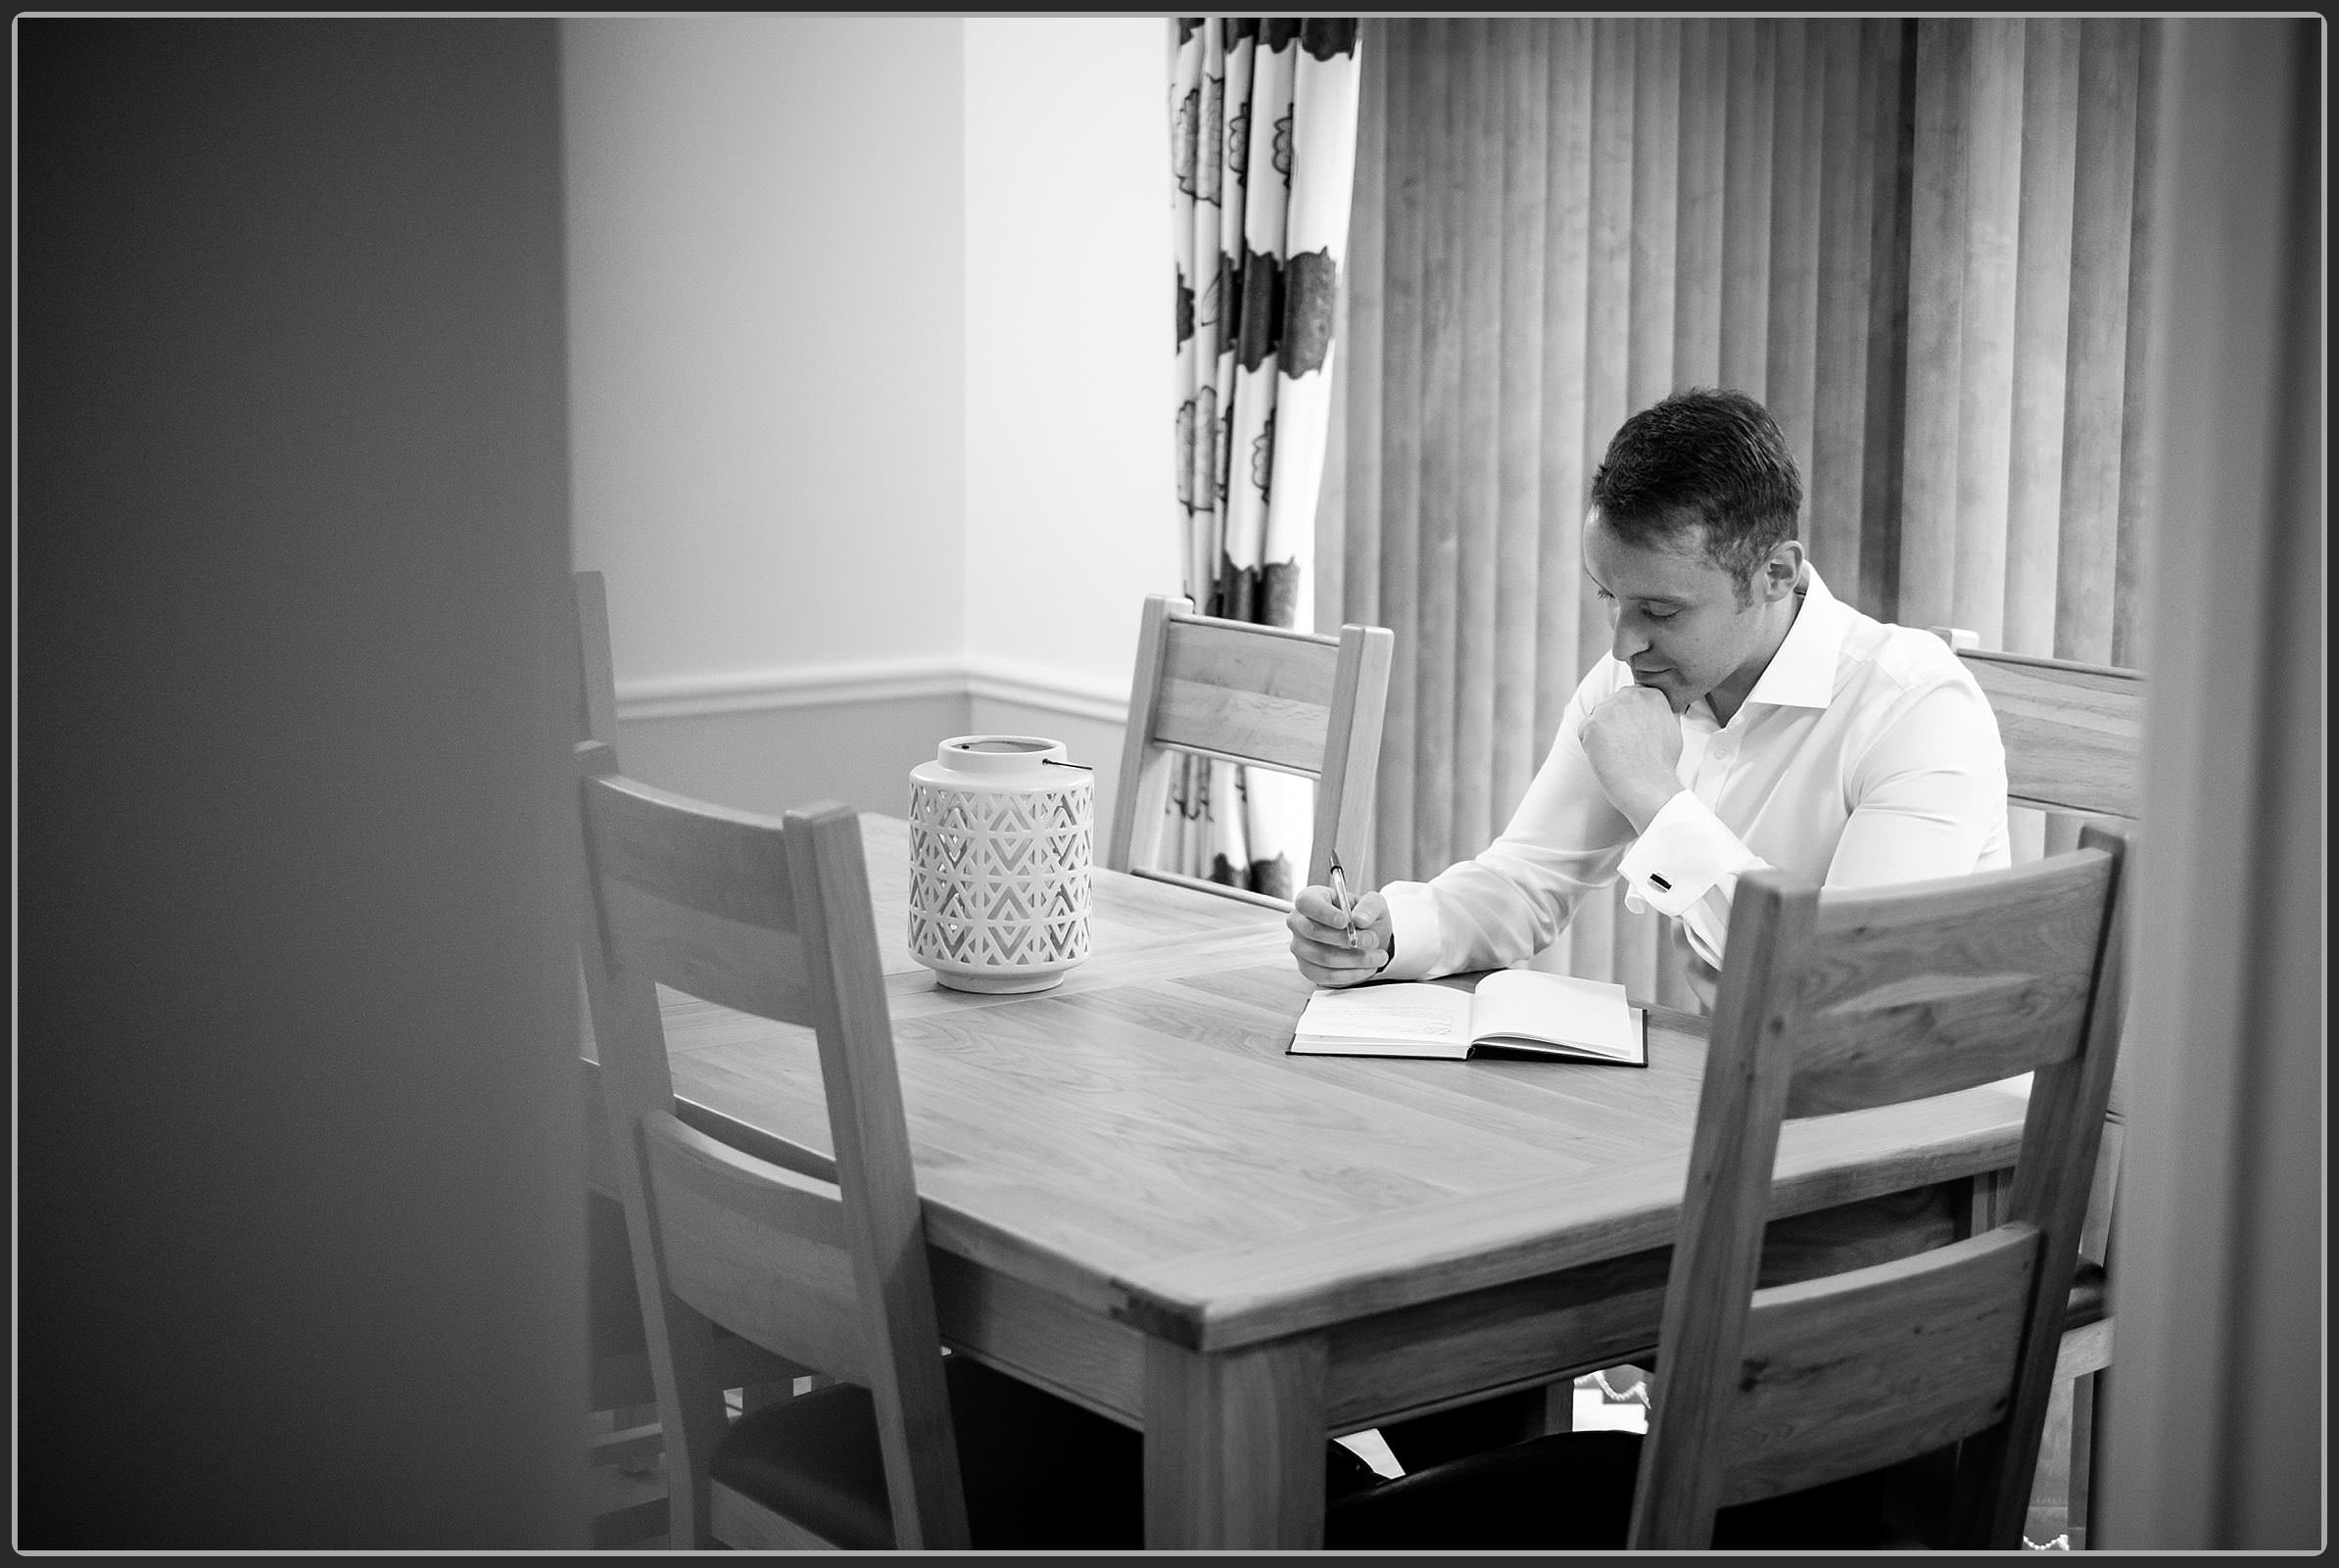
1070	496
889	298
767	350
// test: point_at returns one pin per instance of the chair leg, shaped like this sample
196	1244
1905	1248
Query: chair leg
2083	1392
2048	1518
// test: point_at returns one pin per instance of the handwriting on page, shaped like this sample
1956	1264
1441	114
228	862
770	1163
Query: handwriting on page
1389	1013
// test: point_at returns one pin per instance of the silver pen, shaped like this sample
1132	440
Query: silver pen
1340	897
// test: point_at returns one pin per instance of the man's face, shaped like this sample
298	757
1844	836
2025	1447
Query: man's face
1676	617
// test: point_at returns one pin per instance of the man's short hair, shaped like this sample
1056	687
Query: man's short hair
1703	455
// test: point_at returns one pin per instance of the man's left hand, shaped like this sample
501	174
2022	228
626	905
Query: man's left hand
1633	740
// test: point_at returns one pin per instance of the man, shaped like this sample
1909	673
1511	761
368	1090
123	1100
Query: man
1745	717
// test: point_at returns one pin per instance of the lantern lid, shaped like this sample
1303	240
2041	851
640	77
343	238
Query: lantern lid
997	755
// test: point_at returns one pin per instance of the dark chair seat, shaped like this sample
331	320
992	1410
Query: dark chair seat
1039	1472
2090	1298
1573	1490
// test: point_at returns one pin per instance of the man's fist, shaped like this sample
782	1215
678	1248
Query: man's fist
1322	941
1633	741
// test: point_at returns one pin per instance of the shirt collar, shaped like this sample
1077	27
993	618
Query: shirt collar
1802	673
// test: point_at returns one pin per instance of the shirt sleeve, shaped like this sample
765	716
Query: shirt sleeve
1930	789
1683	855
1927	792
1509	902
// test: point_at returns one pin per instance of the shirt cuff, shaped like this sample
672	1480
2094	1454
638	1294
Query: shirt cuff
1677	861
1413	930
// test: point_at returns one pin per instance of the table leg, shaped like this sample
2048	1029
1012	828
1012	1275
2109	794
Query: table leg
1234	1446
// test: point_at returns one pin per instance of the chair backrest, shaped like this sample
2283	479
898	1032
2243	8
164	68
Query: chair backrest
769	916
2074	737
1857	999
2073	733
596	719
1293	701
596	680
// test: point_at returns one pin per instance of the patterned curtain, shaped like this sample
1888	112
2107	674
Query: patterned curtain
1919	241
1263	146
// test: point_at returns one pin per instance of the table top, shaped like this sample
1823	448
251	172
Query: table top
1138	1141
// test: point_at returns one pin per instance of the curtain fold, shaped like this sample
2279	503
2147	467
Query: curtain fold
1915	240
1262	147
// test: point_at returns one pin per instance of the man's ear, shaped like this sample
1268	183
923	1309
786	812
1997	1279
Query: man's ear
1782	573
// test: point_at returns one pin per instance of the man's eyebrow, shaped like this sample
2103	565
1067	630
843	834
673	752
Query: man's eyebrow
1645	598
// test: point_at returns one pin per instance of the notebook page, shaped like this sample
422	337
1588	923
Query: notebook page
1434	1015
1530	1004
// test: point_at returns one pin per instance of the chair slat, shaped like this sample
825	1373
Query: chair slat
1775	1390
1218	693
1297	667
1938	986
1241	759
1264	696
1862	1369
770	917
1203	885
749	968
758	1249
722	862
2072	732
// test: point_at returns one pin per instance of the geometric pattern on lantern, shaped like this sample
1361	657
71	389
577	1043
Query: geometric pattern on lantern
1000	880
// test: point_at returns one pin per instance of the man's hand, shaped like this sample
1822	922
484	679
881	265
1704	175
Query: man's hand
1633	741
1320	939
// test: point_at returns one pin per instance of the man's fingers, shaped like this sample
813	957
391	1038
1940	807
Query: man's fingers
1304	929
1319	920
1335	952
1330	953
1334	974
1363	944
1319	905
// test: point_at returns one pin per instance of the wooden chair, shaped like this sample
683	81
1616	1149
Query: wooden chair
772	918
1782	1414
596	675
619	1387
2074	742
1291	701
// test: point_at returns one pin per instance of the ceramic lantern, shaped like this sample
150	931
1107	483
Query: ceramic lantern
1001	828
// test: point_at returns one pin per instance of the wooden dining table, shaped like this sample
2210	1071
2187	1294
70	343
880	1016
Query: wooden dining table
1135	1199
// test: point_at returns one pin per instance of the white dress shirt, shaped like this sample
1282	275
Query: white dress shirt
1866	753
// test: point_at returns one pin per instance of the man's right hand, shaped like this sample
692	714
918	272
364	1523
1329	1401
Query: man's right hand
1320	938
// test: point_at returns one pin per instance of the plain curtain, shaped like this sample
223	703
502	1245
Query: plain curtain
1913	240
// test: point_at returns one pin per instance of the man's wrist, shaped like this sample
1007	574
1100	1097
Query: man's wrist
1643	804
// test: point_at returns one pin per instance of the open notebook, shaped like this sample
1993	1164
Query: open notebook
1520	1014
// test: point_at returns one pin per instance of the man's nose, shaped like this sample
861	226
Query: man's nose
1631	639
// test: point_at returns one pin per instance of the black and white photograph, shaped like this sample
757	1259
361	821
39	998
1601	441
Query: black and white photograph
772	770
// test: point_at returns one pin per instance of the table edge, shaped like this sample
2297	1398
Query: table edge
1298	1284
